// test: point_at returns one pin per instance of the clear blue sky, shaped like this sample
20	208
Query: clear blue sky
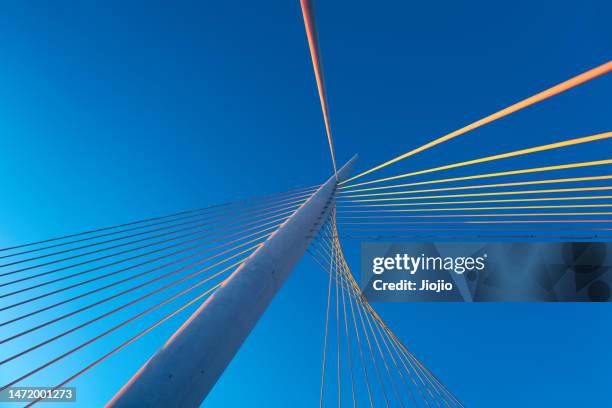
114	111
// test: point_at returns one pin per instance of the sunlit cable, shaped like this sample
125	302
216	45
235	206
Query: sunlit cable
313	44
348	194
521	152
564	86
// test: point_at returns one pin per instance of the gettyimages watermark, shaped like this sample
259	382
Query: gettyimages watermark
414	264
501	271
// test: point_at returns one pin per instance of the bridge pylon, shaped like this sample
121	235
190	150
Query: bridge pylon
184	370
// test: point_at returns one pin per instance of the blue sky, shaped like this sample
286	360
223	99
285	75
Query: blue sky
111	112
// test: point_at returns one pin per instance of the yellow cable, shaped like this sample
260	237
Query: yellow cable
486	201
477	222
521	207
487	175
550	146
331	266
564	86
497	193
361	353
346	330
338	359
556	214
519	183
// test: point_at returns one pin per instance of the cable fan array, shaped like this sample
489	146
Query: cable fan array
464	206
103	289
372	366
